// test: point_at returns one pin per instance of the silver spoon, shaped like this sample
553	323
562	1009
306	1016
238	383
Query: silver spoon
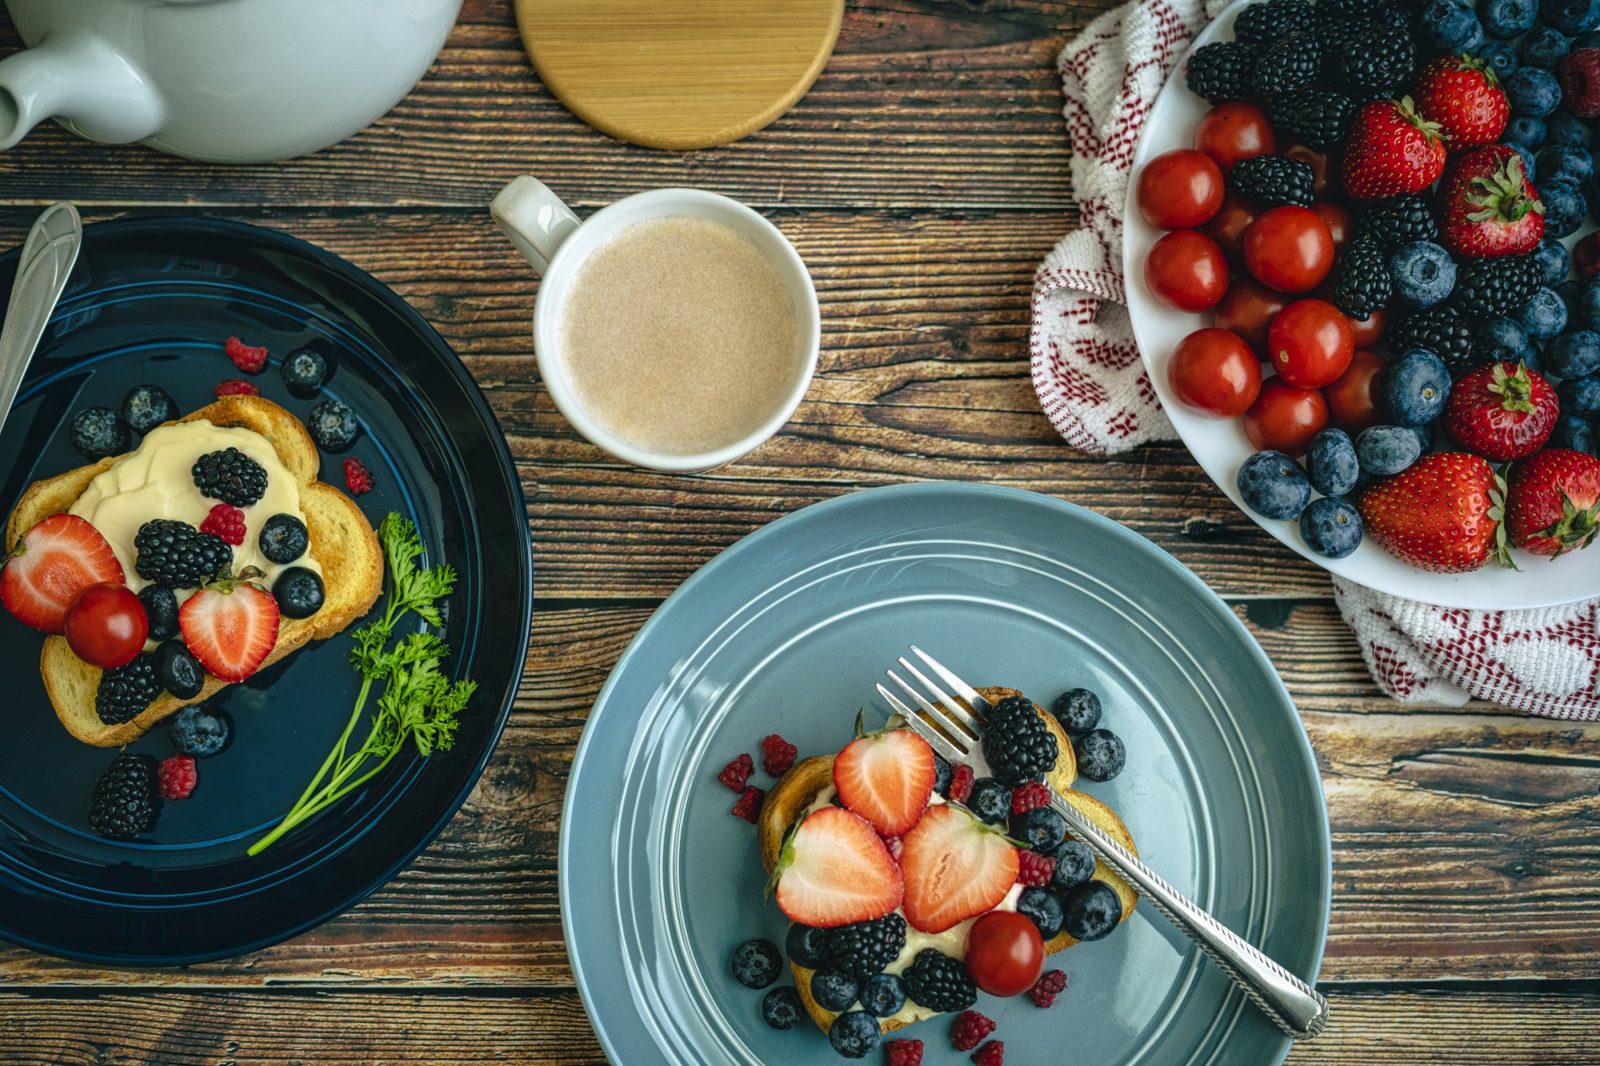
47	259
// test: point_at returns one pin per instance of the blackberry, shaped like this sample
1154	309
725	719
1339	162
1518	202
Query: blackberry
865	948
939	982
177	555
230	476
1292	63
1440	330
1265	23
1316	117
1363	284
126	691
1489	288
1379	58
333	425
98	432
1271	180
1396	221
1349	9
1221	71
1017	743
147	406
161	608
124	801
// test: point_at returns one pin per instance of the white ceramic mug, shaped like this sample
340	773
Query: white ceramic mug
557	243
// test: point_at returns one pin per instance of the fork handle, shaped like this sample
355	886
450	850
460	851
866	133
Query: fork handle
1294	1006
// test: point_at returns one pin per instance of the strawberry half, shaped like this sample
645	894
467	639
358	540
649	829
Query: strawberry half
231	626
834	870
1488	207
1391	150
50	565
1553	503
956	868
1442	513
886	778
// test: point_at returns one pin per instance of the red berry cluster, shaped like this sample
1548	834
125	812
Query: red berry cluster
1051	984
969	1030
236	387
357	478
227	522
247	358
1034	869
176	777
777	756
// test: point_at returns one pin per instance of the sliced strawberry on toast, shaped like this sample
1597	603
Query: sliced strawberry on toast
886	778
834	870
50	565
956	868
231	626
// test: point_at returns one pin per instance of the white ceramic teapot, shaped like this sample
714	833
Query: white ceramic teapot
229	81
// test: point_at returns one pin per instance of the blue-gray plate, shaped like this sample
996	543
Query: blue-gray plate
788	630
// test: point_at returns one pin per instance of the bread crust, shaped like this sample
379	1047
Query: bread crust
798	789
342	541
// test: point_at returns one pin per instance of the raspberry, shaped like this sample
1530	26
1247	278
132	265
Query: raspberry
227	522
969	1029
961	784
737	773
357	478
176	777
1032	795
991	1054
236	387
895	846
903	1053
1033	868
248	359
749	805
777	755
1050	984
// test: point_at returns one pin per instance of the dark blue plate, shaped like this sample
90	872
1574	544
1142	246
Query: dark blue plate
151	301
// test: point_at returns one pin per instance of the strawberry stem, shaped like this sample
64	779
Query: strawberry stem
1576	528
1515	389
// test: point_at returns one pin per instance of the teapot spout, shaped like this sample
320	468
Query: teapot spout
79	79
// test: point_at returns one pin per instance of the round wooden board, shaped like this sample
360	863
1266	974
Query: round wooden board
680	75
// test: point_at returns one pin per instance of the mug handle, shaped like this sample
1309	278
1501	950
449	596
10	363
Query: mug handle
534	219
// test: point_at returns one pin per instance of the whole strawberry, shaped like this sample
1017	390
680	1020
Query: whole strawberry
1502	411
1462	94
1391	150
1442	513
1553	502
1487	206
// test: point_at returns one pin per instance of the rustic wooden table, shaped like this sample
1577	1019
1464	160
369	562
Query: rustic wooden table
922	179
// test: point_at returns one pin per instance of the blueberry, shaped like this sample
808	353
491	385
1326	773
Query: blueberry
1331	463
298	592
161	608
1042	829
781	1008
755	963
1447	26
990	801
1043	908
883	994
199	732
1554	261
1564	208
942	773
1101	754
1570	16
1331	527
1074	864
854	1034
833	990
305	371
1423	273
1564	162
1078	711
147	406
179	671
1273	485
807	945
1501	57
1507	18
1574	433
1412	390
98	432
1544	47
1563	127
1580	396
333	425
1091	911
1573	355
1386	450
1544	315
1500	340
1527	133
1533	91
283	539
1524	152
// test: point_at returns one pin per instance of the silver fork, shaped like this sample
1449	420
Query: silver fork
954	730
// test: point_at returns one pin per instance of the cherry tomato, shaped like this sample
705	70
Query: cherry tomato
1248	308
1318	162
1227	226
1214	371
1309	343
1368	331
1288	248
1285	417
1180	189
1186	270
1234	131
1351	404
1005	953
106	625
1338	220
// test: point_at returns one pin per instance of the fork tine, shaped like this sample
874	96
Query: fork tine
937	716
950	703
980	706
894	701
948	751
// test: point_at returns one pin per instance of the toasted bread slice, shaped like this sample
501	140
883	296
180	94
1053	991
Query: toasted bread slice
788	800
342	541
